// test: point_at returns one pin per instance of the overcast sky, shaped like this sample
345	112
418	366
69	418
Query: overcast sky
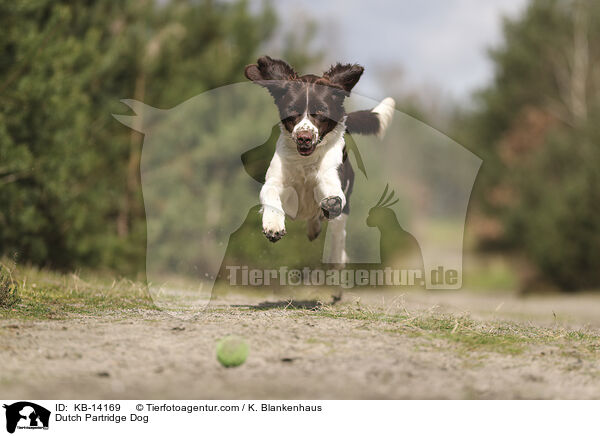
436	44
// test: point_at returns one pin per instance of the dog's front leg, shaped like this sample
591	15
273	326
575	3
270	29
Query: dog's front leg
329	194
273	219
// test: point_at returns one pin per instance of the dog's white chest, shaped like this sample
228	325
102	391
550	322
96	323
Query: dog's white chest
304	185
300	182
302	175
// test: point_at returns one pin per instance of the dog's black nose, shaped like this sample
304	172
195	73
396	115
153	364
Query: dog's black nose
304	138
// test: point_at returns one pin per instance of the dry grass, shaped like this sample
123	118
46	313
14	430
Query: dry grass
40	294
9	291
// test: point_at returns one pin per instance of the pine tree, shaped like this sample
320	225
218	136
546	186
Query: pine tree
536	129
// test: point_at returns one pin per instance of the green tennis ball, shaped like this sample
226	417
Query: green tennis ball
232	351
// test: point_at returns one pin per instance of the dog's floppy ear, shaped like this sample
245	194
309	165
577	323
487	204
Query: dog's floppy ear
344	75
267	69
271	73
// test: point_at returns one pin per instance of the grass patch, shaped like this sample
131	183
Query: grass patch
470	335
40	294
9	290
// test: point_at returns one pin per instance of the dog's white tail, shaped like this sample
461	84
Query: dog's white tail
374	121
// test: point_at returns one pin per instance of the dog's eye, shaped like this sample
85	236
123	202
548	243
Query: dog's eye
319	116
290	119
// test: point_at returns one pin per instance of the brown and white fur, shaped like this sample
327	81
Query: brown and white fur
310	176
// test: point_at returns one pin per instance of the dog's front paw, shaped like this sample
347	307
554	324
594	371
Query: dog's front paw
273	224
274	235
331	207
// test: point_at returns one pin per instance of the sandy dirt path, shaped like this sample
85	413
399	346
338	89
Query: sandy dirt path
325	354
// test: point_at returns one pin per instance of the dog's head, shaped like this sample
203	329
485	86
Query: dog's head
310	106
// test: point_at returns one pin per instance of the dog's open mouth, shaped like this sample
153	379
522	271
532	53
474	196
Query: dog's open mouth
306	149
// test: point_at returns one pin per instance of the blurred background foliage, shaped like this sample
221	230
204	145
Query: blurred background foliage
537	129
69	172
70	192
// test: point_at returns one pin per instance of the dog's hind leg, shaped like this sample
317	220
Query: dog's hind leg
313	228
337	255
337	241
